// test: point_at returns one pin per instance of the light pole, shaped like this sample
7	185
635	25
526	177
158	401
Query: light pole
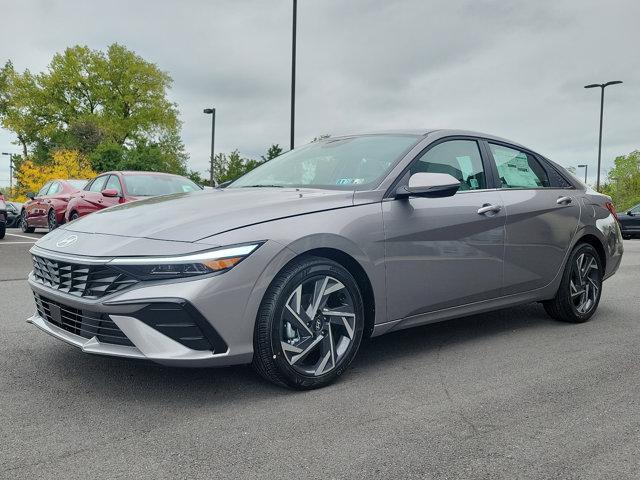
212	112
586	167
10	169
293	71
602	87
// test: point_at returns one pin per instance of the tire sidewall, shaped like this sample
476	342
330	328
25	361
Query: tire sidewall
293	279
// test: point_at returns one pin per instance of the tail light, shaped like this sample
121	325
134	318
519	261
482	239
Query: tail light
612	209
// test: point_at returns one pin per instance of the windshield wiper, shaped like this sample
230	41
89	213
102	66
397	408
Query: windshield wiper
256	186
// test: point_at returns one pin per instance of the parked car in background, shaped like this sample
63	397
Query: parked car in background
13	214
3	216
113	188
46	208
630	222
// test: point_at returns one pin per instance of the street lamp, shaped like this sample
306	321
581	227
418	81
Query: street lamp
10	168
586	167
212	112
602	87
293	71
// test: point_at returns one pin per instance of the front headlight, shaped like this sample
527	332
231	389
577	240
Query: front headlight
202	263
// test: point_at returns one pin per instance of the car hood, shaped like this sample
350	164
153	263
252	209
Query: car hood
195	216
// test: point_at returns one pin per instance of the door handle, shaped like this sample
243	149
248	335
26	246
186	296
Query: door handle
487	207
564	200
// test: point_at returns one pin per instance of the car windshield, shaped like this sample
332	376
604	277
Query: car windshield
342	163
152	185
78	184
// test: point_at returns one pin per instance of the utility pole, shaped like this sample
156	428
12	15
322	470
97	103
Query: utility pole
293	72
586	167
602	87
212	112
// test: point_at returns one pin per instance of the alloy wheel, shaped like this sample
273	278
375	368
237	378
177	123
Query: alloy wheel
317	325
585	283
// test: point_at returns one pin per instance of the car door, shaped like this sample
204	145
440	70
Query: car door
542	216
91	197
444	252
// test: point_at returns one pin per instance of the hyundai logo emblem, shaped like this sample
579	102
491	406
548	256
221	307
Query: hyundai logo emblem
66	241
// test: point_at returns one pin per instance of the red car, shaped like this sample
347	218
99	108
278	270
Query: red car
46	208
113	188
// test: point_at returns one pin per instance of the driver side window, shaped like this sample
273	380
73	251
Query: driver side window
459	158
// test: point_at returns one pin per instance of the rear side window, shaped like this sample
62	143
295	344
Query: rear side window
459	158
518	169
98	184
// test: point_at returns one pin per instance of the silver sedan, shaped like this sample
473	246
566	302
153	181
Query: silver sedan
293	264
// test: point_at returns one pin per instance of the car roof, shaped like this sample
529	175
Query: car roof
136	172
444	131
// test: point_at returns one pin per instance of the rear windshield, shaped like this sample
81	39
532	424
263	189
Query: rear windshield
152	185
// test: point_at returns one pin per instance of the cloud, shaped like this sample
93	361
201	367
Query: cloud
515	69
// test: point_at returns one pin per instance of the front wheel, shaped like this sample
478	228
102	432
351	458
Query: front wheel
310	324
52	222
24	225
579	293
74	216
3	230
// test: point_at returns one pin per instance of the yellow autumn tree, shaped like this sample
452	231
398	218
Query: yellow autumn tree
64	164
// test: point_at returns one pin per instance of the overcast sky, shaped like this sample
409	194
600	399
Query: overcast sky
514	69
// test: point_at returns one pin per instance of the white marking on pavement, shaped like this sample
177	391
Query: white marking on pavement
22	236
17	243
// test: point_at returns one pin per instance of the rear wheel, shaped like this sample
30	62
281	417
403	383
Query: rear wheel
579	293
3	230
74	216
309	326
52	222
24	225
626	236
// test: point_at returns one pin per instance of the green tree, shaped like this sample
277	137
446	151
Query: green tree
623	181
232	166
95	101
274	151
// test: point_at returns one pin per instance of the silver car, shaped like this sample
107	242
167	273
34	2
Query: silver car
293	264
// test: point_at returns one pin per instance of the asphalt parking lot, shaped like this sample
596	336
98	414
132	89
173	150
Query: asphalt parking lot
510	394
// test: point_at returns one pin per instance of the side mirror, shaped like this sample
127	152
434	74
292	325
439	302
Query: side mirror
31	195
110	192
429	185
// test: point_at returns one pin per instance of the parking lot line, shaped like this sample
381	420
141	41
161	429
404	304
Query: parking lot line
21	236
17	243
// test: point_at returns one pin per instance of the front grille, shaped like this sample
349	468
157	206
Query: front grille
81	322
86	281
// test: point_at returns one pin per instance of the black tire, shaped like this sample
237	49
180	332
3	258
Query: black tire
52	221
24	226
73	216
3	230
270	359
626	236
563	306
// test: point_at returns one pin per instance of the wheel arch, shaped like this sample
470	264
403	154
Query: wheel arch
595	242
360	275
